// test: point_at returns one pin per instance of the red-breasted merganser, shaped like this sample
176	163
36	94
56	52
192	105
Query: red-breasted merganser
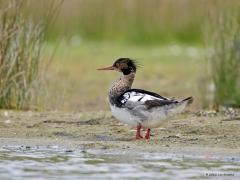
137	107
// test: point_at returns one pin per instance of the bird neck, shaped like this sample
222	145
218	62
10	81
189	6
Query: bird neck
121	85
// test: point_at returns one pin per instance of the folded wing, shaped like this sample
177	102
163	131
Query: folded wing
135	98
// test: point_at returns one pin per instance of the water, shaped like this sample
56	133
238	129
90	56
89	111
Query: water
55	163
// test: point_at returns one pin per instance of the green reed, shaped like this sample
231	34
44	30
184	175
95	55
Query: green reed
224	56
21	42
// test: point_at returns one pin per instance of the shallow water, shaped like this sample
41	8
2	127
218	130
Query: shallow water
54	163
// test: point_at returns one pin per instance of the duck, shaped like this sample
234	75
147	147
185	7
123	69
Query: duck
137	107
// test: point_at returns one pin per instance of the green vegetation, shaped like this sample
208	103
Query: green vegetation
21	42
225	57
124	21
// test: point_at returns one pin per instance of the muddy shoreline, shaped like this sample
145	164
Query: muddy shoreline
135	148
193	133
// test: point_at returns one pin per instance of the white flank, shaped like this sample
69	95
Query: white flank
153	118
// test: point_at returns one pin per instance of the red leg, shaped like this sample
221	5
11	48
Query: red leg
138	133
148	133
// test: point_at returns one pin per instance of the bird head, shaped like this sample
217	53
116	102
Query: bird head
124	65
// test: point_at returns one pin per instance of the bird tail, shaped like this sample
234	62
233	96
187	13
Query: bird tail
189	100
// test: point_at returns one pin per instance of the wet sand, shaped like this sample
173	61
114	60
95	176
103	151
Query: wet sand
190	133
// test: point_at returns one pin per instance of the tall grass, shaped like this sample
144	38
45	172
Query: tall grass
21	42
131	21
224	56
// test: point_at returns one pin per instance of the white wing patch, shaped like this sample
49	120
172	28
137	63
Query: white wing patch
138	97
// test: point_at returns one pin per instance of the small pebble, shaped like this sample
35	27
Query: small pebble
69	151
5	113
83	151
7	121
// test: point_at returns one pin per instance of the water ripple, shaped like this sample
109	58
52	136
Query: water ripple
55	163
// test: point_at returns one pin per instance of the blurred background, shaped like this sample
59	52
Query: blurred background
173	40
